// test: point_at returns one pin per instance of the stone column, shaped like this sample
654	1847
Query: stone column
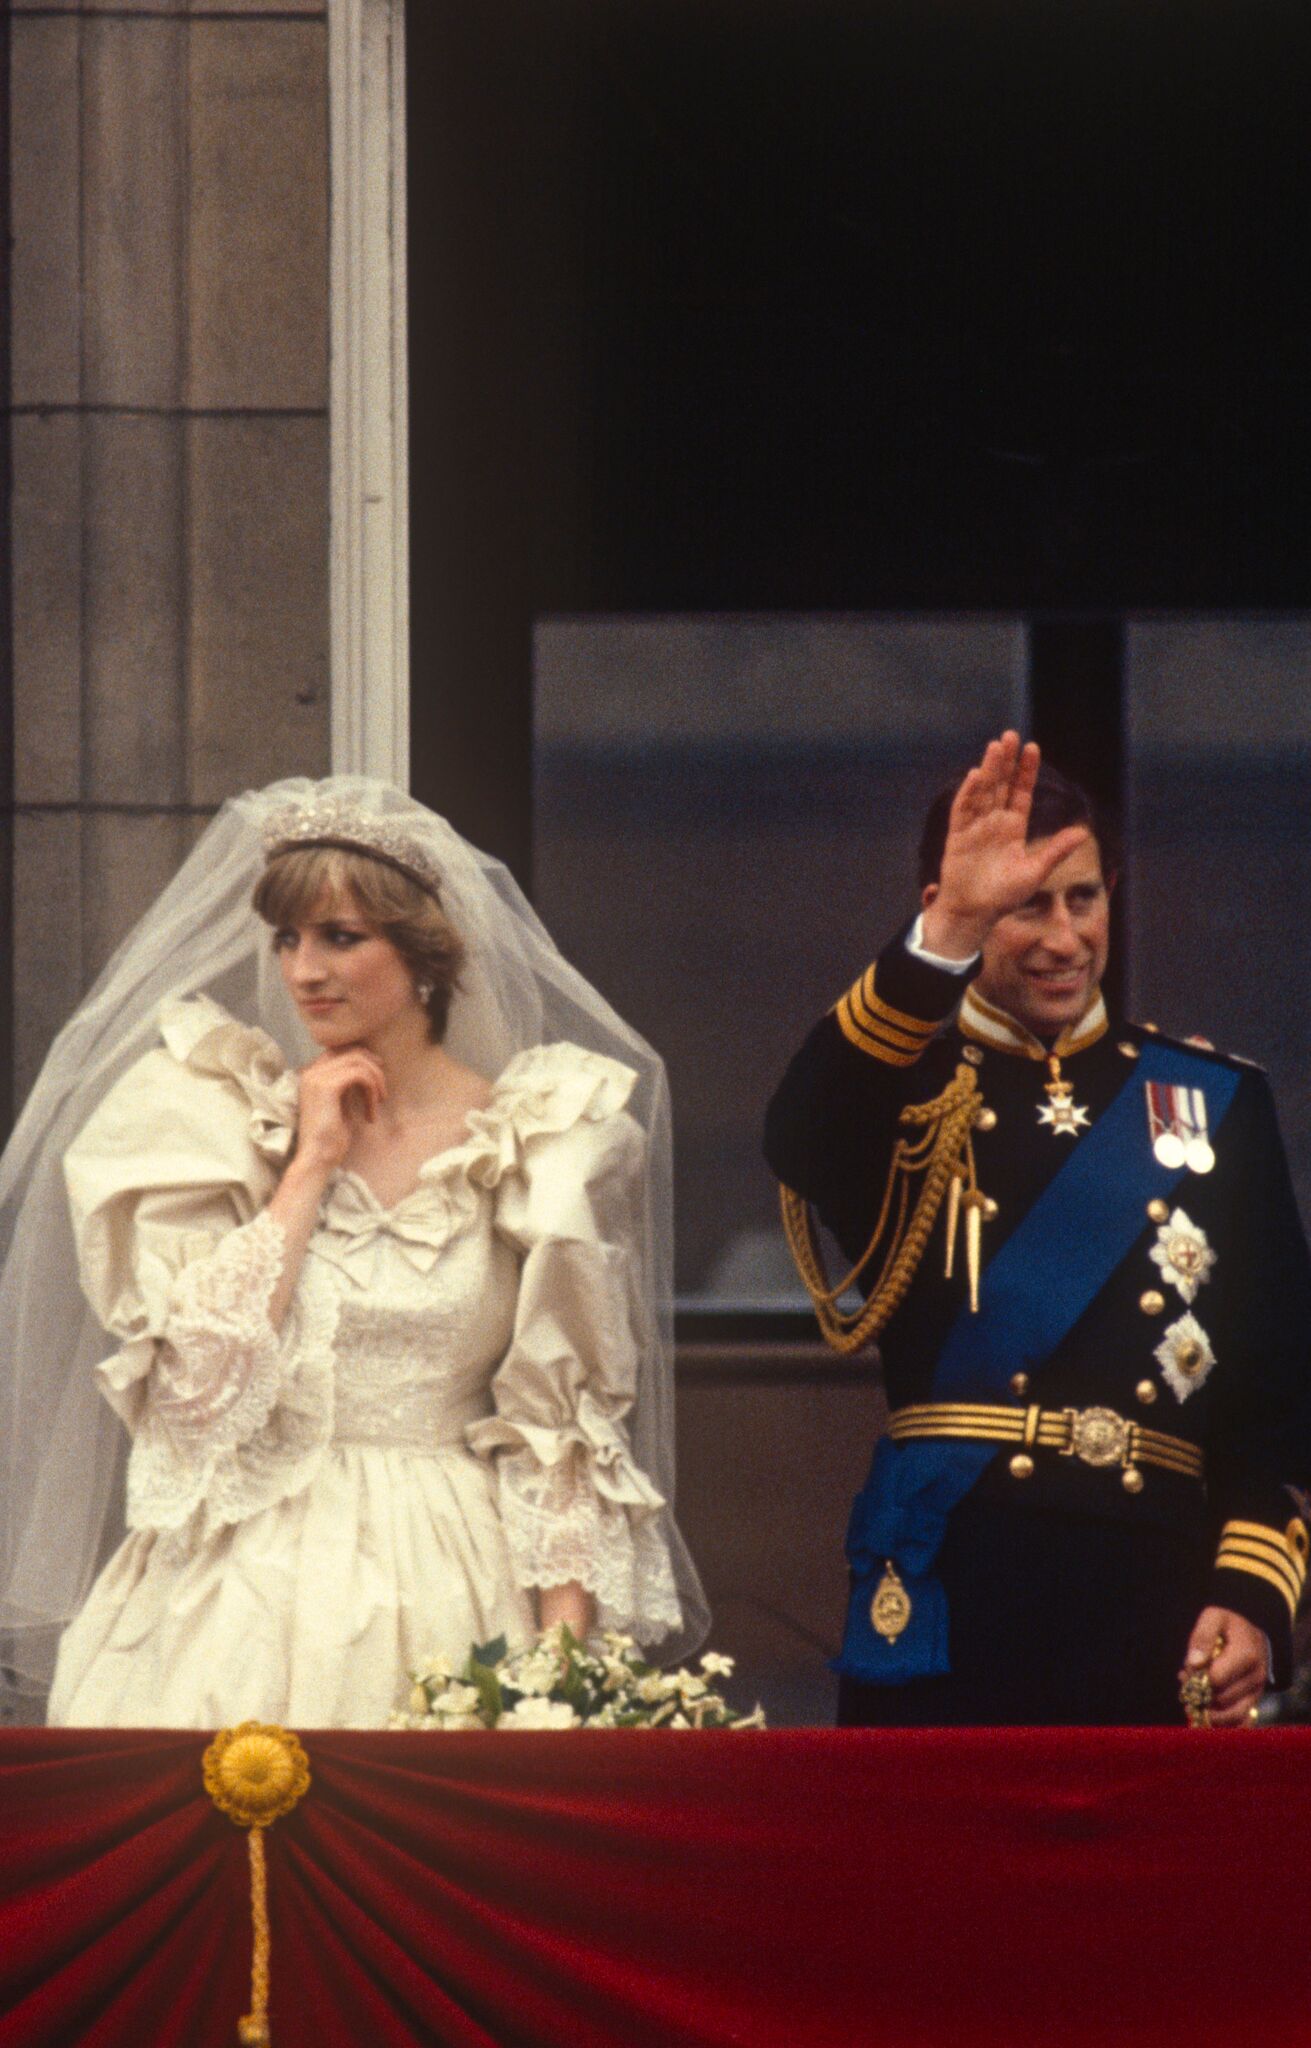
169	168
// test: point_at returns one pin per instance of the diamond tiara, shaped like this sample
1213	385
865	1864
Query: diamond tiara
336	821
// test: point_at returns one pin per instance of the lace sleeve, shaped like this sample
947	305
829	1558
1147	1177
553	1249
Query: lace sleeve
216	1370
560	1529
216	1374
574	1502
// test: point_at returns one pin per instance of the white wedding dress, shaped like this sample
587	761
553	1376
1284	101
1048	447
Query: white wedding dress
436	1429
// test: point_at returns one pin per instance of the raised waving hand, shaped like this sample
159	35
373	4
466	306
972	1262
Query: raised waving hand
989	867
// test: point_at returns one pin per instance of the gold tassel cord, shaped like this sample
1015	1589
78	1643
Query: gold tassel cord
253	2029
954	1187
944	1157
254	1774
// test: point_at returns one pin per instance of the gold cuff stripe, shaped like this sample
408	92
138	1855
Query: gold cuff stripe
870	1020
1260	1532
865	1041
1247	1557
865	997
1246	1544
1227	1561
875	1027
883	1034
1271	1553
1282	1544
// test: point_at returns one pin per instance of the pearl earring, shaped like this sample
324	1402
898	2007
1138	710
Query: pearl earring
423	990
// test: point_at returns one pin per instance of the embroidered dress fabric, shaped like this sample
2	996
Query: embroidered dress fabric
437	1428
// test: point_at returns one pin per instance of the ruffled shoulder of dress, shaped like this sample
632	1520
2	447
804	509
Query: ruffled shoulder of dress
187	1144
207	1041
545	1090
212	1105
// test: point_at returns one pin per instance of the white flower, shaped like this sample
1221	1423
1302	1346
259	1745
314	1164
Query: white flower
539	1713
1183	1254
457	1699
433	1667
535	1672
552	1639
1185	1356
614	1683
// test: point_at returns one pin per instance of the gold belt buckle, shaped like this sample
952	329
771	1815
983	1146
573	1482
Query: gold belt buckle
1098	1436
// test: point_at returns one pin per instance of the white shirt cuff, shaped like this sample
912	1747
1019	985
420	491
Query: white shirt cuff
915	944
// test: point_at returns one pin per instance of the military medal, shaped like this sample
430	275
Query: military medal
1176	1122
889	1610
1183	1254
1185	1357
1062	1113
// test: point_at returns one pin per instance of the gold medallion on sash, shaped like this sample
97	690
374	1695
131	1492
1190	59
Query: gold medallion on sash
889	1610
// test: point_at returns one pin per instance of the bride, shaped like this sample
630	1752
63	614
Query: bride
370	1190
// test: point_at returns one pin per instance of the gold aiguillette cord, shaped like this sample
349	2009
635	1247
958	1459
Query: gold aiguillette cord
942	1155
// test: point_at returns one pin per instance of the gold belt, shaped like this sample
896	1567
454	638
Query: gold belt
1096	1436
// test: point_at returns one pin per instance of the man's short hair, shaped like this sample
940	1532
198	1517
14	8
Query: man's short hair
1057	802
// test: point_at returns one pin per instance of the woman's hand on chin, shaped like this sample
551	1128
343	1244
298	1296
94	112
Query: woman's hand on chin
337	1090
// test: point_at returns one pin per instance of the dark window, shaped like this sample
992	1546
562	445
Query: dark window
725	822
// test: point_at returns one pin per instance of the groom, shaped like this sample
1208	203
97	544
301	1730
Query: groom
1077	1243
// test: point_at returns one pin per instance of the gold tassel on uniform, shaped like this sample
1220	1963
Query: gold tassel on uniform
943	1155
255	1774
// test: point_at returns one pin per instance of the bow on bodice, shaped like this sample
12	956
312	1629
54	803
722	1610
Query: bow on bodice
354	1225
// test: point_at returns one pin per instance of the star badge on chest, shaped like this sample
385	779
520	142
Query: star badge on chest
1061	1113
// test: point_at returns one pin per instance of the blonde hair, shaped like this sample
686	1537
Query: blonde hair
297	881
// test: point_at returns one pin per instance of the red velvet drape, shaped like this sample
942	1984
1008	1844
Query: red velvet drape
798	1888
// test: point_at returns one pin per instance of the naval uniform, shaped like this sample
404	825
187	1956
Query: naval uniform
1137	1454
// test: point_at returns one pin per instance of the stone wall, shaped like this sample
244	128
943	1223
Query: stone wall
169	319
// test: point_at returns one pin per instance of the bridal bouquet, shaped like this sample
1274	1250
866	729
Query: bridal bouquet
562	1683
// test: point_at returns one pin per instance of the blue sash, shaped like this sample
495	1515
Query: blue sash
1051	1267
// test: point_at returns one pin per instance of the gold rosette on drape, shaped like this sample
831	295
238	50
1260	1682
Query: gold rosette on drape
254	1774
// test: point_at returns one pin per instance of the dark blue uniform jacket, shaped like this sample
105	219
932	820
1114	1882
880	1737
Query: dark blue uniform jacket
896	1039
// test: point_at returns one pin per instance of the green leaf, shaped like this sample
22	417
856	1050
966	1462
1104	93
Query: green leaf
489	1688
489	1654
572	1685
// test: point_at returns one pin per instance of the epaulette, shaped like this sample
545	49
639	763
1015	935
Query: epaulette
1203	1051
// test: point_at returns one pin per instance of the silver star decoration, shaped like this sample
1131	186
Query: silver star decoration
1185	1356
1183	1254
1063	1113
